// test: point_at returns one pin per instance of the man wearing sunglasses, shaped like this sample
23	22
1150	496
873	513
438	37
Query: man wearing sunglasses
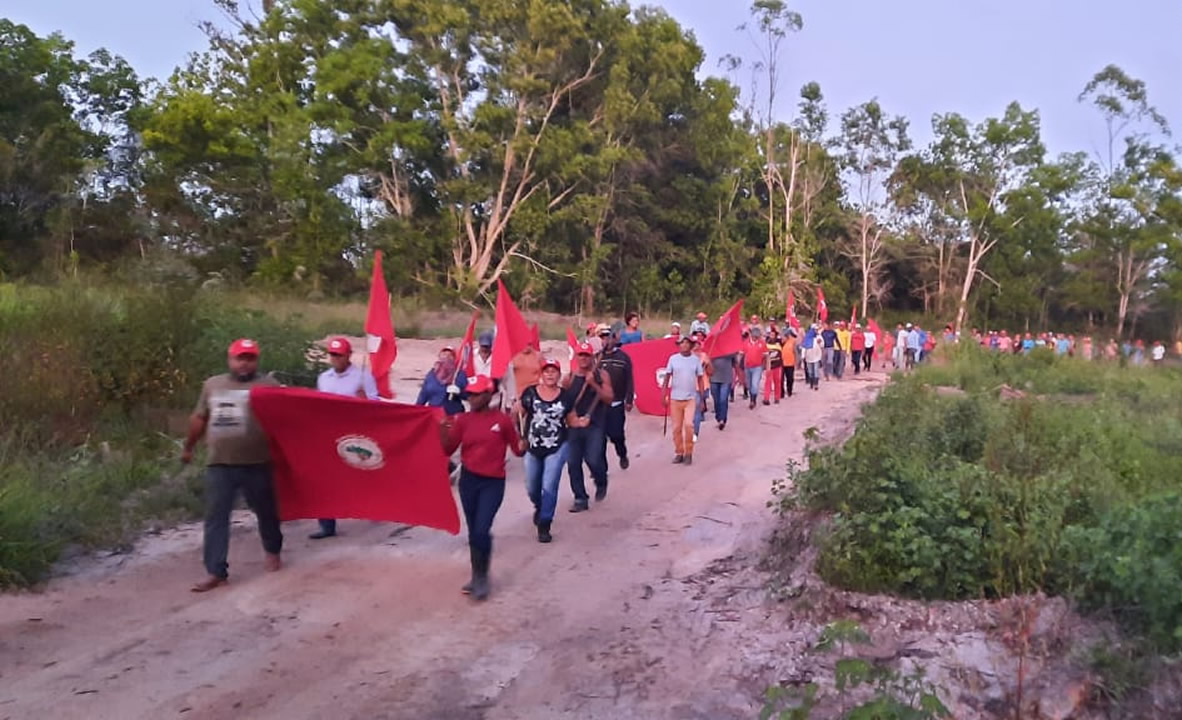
342	378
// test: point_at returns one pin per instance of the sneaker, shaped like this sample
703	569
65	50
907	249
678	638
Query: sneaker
678	459
624	463
580	506
722	425
695	438
689	459
767	402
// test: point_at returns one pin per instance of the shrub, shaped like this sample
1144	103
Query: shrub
951	496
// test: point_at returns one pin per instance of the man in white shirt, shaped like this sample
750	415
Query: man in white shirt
482	361
681	384
868	354
343	378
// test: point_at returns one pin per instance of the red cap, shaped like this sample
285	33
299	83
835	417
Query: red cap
480	384
585	349
592	326
244	346
551	362
339	346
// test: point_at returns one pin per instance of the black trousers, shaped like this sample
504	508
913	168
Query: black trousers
856	360
481	497
867	356
788	379
222	484
613	430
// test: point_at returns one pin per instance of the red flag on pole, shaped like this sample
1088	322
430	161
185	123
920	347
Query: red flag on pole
726	337
793	321
467	363
822	308
572	342
535	337
343	457
379	330
649	359
513	333
854	314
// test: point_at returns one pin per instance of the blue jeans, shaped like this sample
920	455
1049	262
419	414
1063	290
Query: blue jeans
721	392
811	372
541	481
827	361
754	381
222	484
586	445
480	497
699	411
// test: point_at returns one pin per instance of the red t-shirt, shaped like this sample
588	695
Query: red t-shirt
482	438
858	340
754	352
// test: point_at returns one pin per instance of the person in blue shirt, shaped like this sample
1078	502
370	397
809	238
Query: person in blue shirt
829	343
1027	344
1062	345
631	333
444	385
914	346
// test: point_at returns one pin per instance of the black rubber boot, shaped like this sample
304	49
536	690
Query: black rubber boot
467	588
480	578
544	532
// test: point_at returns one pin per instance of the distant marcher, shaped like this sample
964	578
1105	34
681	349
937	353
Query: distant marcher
631	333
674	332
699	325
871	343
592	337
841	350
829	346
1085	348
545	407
1158	353
482	437
680	392
788	349
913	344
592	391
814	353
618	366
900	355
774	377
239	460
722	380
444	385
857	347
754	358
1004	343
703	383
343	378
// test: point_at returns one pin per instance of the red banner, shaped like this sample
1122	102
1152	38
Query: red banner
379	330
726	337
513	333
572	343
649	359
341	457
793	321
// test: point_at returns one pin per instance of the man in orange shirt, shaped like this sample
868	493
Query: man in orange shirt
788	352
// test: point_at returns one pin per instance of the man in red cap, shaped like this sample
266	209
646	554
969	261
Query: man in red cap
592	393
239	459
343	378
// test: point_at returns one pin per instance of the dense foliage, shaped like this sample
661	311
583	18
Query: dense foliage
574	148
1073	488
87	455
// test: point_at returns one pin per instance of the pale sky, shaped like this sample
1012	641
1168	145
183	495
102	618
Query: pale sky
916	56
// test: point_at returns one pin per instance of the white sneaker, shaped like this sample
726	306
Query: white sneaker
695	439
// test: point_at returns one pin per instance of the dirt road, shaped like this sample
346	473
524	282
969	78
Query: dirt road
599	624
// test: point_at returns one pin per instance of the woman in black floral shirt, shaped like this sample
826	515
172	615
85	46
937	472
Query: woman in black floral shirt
545	407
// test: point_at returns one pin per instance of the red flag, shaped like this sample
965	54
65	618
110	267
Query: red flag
513	334
872	326
343	457
467	363
792	319
822	308
572	341
649	359
726	337
535	337
379	330
854	314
